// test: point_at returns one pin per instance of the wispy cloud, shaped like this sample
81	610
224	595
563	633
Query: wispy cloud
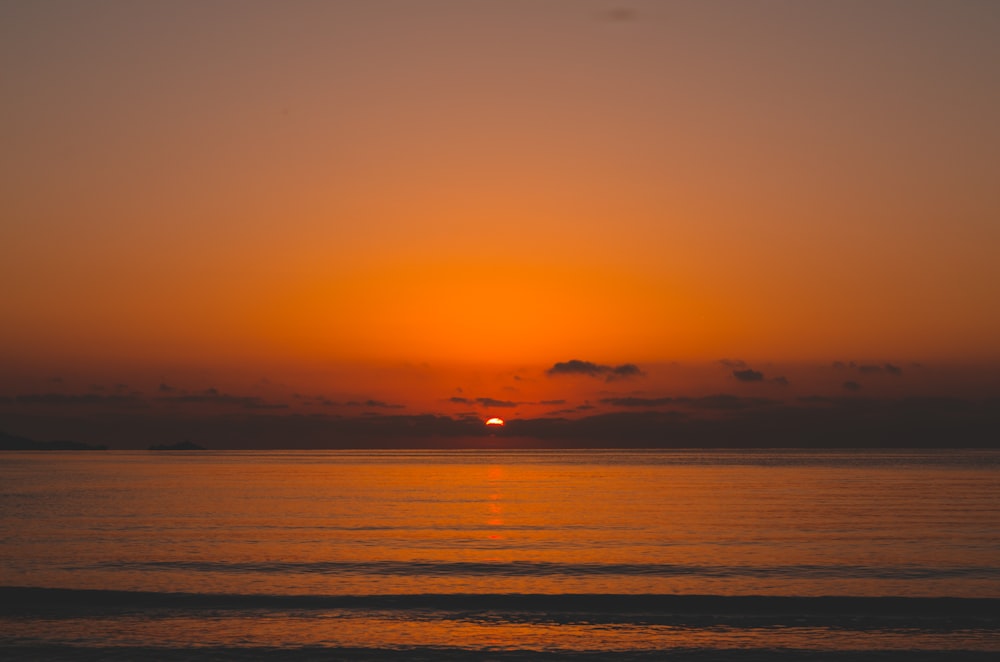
748	375
85	399
213	396
871	368
722	401
374	404
493	402
590	369
630	401
483	402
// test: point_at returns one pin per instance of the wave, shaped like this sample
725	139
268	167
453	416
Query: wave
678	609
445	654
67	653
548	569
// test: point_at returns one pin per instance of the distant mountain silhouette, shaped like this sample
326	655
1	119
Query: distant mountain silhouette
9	442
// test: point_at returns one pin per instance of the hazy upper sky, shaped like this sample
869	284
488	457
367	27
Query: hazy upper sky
498	182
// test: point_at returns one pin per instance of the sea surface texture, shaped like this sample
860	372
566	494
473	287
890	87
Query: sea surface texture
490	555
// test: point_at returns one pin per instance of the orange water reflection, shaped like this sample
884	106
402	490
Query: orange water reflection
345	629
494	479
501	522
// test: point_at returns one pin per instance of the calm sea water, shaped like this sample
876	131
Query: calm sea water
496	555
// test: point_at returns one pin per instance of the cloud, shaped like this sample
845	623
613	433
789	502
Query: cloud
552	402
733	363
88	399
726	402
638	402
212	396
852	386
375	404
313	400
483	402
625	371
164	388
721	402
748	375
851	421
783	381
871	368
577	367
264	405
491	402
847	422
590	369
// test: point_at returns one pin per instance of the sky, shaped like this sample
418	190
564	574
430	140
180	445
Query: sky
385	209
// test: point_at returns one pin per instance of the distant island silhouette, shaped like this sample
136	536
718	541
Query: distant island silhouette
9	442
179	446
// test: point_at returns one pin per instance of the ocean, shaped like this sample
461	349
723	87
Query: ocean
500	555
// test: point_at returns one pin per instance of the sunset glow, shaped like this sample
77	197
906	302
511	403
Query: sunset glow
299	215
495	422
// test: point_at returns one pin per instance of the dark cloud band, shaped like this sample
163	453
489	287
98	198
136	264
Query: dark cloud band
590	369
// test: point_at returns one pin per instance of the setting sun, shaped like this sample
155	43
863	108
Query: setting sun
495	422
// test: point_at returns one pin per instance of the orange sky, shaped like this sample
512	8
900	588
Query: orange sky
326	189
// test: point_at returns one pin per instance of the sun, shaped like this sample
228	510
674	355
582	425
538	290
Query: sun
495	422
